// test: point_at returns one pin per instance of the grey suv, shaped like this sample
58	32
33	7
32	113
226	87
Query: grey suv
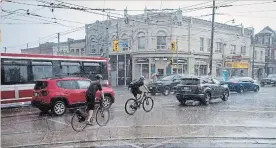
201	89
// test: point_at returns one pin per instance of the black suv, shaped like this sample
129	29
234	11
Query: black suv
201	89
165	84
270	80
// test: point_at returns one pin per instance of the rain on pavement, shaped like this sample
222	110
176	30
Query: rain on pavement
245	120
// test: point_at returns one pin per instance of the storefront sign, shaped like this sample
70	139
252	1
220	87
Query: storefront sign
236	64
180	61
142	60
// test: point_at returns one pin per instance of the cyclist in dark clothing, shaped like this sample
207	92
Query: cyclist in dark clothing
91	95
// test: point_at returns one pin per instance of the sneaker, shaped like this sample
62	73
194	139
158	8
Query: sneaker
89	123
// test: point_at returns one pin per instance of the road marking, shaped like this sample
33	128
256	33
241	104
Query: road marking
56	121
162	143
133	145
178	125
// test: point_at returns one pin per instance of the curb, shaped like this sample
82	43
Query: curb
144	138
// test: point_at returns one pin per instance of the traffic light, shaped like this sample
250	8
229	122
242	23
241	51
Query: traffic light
115	45
171	61
173	46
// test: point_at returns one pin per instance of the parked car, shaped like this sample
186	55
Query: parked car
201	89
58	94
165	84
270	80
242	84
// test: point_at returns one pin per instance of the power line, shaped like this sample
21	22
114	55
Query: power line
249	16
255	11
36	15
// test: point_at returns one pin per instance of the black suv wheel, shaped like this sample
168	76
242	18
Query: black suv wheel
207	98
166	91
225	95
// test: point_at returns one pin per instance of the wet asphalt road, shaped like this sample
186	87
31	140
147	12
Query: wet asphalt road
245	120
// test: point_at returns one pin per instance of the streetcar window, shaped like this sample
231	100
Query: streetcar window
14	74
42	70
91	68
70	68
14	71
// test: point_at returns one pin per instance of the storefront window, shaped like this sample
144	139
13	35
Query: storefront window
145	70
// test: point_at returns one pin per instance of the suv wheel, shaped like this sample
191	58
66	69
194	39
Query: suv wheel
59	108
225	95
207	99
256	89
166	91
241	90
182	102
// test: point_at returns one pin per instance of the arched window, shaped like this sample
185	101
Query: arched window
141	40
161	40
93	45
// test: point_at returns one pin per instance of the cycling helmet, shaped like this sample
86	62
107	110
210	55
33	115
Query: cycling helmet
98	76
142	78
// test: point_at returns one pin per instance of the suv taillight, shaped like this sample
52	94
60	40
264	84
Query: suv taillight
44	93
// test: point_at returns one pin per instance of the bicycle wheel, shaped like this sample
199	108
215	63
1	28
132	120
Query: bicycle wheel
78	121
148	104
102	116
132	104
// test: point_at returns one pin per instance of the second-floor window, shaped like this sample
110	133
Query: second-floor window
94	46
233	49
201	44
243	50
141	41
161	40
255	55
82	51
261	55
219	47
208	45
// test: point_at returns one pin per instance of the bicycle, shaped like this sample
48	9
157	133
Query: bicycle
81	116
143	99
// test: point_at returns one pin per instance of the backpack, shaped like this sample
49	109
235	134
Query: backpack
134	87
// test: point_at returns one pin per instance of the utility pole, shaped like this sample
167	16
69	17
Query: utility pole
117	37
212	38
27	46
58	42
177	54
5	49
253	54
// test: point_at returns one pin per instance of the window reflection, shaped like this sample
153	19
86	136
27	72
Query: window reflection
15	74
42	71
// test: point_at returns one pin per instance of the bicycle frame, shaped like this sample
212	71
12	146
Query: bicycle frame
142	96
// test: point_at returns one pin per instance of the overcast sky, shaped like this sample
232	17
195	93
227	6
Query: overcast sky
19	29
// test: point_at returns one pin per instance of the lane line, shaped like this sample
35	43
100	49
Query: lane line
133	145
56	121
162	143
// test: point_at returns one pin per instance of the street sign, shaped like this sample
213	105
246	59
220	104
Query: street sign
123	44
